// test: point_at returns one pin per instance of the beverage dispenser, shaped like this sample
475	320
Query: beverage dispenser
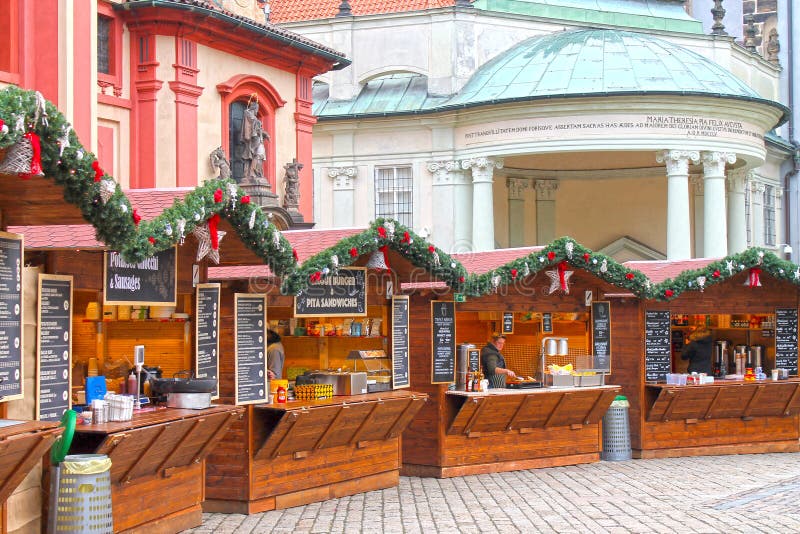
721	357
462	365
741	357
758	355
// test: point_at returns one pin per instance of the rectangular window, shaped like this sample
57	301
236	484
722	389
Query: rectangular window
103	45
769	215
747	217
9	41
394	187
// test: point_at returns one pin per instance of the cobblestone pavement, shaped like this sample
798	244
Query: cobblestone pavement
710	494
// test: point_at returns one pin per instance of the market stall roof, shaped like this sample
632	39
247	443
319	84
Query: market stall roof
483	262
305	242
660	270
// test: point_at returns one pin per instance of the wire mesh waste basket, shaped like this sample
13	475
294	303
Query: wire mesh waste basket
616	431
80	495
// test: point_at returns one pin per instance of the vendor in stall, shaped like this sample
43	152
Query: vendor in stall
493	362
275	355
698	351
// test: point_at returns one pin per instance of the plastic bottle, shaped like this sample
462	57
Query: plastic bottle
132	386
280	394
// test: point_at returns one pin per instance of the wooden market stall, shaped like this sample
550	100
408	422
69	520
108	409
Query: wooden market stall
756	318
309	450
459	432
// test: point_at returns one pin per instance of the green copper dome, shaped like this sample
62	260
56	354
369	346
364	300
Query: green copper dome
598	63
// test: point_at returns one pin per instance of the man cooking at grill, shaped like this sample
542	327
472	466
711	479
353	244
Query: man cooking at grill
493	362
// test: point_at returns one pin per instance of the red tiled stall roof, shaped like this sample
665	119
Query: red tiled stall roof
659	270
299	10
306	242
67	236
150	203
482	262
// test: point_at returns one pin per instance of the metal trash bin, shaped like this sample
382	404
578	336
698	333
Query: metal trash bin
616	432
80	495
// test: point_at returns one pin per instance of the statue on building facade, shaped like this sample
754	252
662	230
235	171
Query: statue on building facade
251	146
773	47
291	180
220	163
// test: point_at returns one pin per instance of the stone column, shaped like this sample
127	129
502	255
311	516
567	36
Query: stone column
737	223
343	195
482	200
516	211
757	190
697	187
443	199
715	235
545	210
679	246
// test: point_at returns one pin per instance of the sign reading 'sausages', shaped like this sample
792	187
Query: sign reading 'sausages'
10	316
657	345
443	318
400	378
343	293
250	348
207	333
54	354
151	282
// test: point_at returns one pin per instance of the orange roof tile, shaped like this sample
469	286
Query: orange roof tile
299	10
59	236
659	270
149	203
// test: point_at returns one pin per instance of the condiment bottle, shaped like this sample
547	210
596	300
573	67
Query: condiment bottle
749	375
468	385
132	386
280	394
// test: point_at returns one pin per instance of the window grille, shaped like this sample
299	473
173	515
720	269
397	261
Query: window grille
103	44
394	194
769	215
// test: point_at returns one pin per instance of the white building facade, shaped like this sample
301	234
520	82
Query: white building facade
512	123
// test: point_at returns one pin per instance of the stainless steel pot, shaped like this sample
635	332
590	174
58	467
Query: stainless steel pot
551	347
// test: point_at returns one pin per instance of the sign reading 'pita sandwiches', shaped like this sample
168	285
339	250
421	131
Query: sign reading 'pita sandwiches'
343	293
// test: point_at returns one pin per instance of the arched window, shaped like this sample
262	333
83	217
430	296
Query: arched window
238	94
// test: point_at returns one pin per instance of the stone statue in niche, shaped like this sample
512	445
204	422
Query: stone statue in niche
251	146
220	163
291	180
773	46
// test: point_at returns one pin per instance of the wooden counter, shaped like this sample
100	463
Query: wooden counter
158	464
506	430
726	417
22	445
307	451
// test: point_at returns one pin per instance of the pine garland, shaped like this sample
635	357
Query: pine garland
80	174
382	232
722	270
564	249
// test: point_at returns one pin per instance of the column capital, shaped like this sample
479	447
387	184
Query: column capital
483	162
714	163
482	168
546	189
757	187
737	180
342	177
443	171
677	160
516	188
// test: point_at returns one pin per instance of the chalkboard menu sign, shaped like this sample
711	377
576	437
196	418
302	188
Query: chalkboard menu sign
343	293
786	339
400	378
508	322
10	316
206	337
657	345
443	318
251	348
601	335
151	282
474	359
54	354
547	323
